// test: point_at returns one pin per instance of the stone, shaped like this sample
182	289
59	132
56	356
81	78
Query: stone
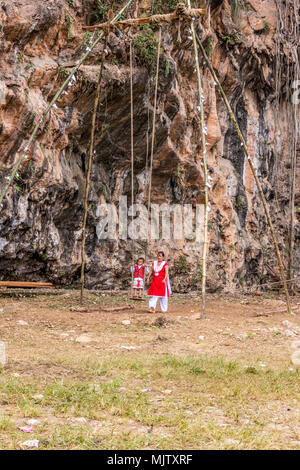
84	339
38	396
295	344
290	333
79	419
126	322
256	22
242	336
33	422
296	358
30	444
231	442
197	316
288	324
22	322
2	354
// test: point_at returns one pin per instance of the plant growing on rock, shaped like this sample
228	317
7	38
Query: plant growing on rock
87	37
208	45
164	6
145	43
181	266
266	26
70	23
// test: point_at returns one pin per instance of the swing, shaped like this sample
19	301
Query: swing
132	297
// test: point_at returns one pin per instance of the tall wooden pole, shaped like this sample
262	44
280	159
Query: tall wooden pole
204	165
294	144
88	173
153	126
131	145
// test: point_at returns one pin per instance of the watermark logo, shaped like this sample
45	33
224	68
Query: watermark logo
2	93
296	94
167	222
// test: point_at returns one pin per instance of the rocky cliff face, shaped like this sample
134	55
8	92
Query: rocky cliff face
40	222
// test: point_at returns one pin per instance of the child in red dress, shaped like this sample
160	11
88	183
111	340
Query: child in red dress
160	287
139	270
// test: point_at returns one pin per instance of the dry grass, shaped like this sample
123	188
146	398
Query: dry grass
214	393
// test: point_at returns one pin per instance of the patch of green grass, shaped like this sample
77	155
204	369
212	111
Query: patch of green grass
6	424
251	370
67	436
62	72
236	6
266	26
220	395
181	265
164	6
70	23
87	37
167	68
208	45
145	44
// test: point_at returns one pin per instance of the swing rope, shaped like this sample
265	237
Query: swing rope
88	173
253	170
152	138
204	164
147	134
153	126
131	143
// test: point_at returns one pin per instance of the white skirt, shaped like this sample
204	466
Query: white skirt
138	283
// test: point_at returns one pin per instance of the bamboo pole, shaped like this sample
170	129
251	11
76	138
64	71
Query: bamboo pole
293	183
88	173
153	129
53	101
168	18
292	208
131	146
204	164
262	197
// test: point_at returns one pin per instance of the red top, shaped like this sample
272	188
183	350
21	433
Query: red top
139	271
157	287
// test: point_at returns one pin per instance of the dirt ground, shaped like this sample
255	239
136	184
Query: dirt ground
48	341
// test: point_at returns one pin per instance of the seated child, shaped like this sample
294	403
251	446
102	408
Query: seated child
139	270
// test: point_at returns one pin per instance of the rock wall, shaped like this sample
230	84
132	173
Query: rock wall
41	219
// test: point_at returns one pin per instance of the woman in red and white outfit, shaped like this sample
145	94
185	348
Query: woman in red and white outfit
160	286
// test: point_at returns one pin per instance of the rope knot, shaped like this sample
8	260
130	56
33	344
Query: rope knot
184	12
182	9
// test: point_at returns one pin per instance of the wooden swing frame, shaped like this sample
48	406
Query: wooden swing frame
182	13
